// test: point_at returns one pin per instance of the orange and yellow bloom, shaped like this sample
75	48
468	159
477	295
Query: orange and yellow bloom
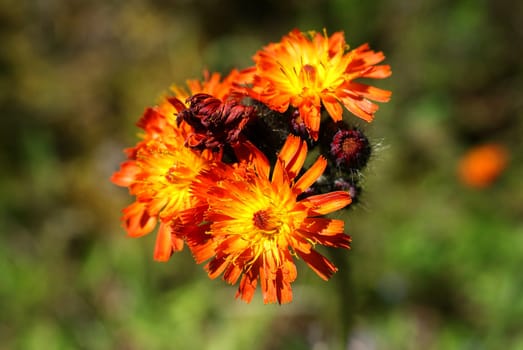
259	224
311	72
159	173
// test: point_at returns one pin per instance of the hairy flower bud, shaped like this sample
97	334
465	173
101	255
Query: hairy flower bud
350	149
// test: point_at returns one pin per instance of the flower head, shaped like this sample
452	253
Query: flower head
308	72
350	148
258	224
159	172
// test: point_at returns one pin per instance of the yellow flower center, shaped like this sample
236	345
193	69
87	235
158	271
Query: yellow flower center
266	221
308	76
272	226
312	78
172	175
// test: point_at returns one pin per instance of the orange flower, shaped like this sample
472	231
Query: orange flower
308	72
159	172
482	165
258	224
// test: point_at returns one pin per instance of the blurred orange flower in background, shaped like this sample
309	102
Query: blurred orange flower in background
482	165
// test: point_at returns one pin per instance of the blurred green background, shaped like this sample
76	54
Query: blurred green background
434	264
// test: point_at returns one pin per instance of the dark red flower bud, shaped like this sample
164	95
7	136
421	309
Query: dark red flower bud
350	149
215	122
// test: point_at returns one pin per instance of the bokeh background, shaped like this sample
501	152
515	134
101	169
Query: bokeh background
435	264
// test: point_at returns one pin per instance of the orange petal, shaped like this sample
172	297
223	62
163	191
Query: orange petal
251	154
327	232
164	245
176	236
360	107
311	115
363	57
294	166
333	107
248	284
289	149
232	273
126	175
267	283
216	266
283	288
311	175
293	155
289	268
136	220
200	243
157	204
378	72
326	203
320	264
177	244
369	92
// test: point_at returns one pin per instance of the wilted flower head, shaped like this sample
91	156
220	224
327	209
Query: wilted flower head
215	123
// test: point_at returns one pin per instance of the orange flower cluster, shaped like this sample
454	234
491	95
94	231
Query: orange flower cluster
218	168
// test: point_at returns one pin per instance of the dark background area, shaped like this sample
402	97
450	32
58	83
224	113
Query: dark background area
435	264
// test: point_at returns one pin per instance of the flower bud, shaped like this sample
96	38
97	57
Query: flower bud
350	149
